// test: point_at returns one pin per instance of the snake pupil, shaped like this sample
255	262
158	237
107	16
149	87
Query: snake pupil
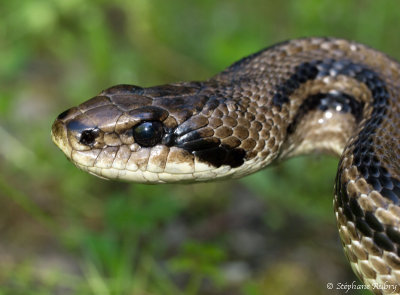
88	136
148	134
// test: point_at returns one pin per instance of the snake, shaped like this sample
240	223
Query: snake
310	95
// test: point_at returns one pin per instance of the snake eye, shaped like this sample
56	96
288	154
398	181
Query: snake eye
89	136
148	134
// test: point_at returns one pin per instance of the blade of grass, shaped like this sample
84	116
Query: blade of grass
95	281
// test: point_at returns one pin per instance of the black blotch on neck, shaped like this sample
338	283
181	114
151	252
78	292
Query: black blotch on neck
221	155
210	150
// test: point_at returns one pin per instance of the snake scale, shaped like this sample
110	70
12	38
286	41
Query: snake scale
322	95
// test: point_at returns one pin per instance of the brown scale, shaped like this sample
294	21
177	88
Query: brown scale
308	95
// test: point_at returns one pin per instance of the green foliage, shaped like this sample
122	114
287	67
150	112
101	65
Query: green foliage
284	188
200	261
65	232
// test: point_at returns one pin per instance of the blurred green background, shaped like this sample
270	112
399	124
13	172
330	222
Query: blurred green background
65	232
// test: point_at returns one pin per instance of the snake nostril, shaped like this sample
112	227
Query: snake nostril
88	136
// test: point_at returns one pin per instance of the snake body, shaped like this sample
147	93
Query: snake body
300	96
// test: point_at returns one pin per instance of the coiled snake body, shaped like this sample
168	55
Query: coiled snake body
315	94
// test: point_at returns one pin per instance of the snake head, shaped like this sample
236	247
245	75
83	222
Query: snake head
157	134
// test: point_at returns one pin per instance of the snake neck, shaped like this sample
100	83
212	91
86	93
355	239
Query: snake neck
322	101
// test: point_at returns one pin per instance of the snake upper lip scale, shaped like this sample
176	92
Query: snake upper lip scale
300	96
